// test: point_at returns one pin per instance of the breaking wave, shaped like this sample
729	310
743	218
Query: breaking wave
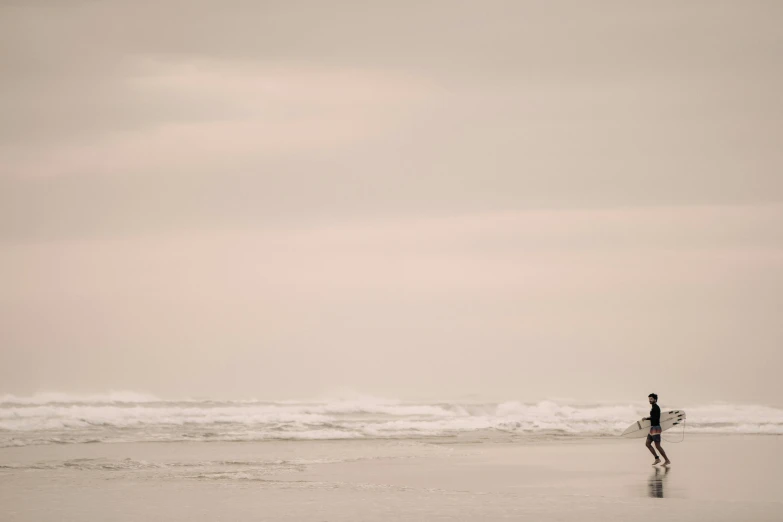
54	418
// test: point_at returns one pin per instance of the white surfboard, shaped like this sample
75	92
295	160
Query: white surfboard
641	428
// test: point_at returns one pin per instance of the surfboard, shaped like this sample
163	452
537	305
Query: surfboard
641	428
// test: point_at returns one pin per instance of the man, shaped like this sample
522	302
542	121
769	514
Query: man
655	431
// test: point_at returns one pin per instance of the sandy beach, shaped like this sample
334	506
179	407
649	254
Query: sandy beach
469	478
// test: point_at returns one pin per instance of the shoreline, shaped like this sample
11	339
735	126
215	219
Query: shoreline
579	475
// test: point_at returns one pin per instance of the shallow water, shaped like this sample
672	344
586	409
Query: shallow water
720	477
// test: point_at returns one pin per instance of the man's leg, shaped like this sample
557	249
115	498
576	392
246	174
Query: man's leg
649	447
665	458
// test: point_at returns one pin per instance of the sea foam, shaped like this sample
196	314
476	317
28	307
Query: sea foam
130	417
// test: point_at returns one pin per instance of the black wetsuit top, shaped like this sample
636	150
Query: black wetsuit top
655	415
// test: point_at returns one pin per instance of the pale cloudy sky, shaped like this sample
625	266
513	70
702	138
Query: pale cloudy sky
511	200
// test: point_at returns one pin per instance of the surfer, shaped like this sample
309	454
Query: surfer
655	431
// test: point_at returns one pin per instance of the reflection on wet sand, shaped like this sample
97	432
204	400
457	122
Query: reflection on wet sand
656	482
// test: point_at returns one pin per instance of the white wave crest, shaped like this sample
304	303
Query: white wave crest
111	397
127	416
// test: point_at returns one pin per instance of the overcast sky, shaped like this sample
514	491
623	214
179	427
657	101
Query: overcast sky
497	200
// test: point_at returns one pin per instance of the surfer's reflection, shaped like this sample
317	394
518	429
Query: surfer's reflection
656	482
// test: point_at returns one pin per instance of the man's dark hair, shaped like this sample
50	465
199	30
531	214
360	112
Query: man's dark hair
654	396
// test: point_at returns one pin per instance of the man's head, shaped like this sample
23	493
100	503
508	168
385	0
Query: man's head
653	398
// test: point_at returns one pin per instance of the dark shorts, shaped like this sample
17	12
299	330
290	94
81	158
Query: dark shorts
655	434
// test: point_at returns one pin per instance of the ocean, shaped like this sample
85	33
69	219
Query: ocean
52	418
126	457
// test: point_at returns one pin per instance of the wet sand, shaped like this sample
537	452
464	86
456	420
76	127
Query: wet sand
720	477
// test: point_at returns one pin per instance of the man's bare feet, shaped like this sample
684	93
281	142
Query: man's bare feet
667	463
657	461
